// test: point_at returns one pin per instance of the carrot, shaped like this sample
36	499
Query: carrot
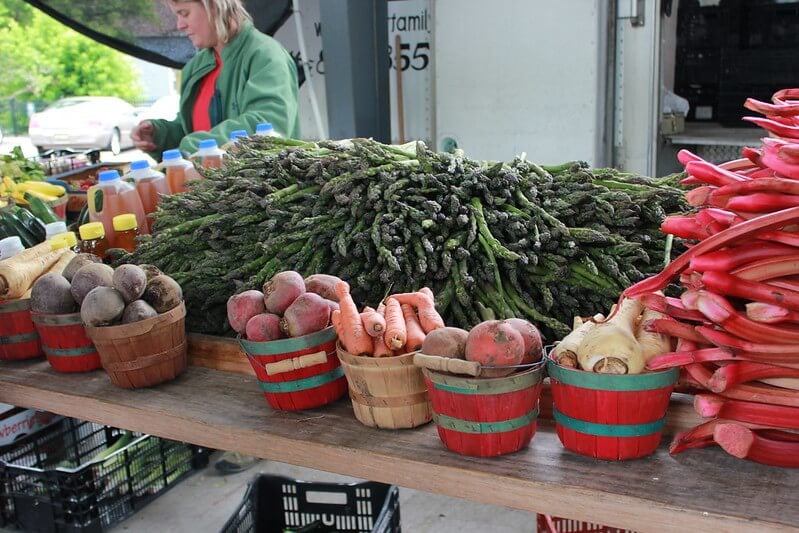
354	337
425	306
373	321
335	319
415	335
18	273
396	333
379	347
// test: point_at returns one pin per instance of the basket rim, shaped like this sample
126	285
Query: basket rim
287	345
110	331
611	382
15	304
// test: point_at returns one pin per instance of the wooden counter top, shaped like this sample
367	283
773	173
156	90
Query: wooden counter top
698	490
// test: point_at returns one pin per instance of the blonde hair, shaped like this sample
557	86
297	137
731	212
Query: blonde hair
226	16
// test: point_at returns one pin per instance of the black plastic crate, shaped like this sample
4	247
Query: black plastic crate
53	480
274	504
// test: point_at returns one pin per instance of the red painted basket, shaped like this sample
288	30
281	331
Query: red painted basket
300	372
18	337
485	417
609	416
65	343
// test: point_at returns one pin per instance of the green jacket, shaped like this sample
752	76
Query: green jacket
257	83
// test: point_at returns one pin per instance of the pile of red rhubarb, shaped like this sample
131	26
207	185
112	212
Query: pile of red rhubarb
737	319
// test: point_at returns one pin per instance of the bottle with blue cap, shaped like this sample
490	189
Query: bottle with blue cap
265	129
150	184
235	135
178	170
208	154
118	197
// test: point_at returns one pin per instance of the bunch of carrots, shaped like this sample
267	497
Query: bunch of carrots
398	325
737	319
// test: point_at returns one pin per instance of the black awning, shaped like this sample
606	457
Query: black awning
146	28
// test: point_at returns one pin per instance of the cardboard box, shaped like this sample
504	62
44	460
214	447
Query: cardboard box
16	422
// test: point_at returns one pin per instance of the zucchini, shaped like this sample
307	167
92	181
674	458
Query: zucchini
40	208
19	229
34	225
83	216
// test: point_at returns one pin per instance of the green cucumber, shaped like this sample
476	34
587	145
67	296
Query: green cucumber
34	225
19	229
40	208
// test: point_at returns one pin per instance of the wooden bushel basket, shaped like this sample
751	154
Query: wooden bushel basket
486	417
144	353
386	392
18	337
299	372
610	416
65	343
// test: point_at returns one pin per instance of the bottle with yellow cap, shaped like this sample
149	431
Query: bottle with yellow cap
127	230
93	241
70	238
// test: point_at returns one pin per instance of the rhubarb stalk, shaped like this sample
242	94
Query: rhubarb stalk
742	442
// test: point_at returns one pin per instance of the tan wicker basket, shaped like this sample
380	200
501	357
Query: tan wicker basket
386	392
143	353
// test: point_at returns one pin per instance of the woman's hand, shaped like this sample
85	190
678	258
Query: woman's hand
142	135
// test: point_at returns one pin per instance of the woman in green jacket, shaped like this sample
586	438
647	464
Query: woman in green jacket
239	78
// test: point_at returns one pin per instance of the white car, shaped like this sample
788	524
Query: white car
84	123
165	107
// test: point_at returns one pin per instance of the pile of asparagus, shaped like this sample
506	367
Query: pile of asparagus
490	238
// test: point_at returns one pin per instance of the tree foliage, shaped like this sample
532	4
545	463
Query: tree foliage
44	60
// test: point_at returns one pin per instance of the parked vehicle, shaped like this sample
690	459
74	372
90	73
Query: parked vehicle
165	107
84	123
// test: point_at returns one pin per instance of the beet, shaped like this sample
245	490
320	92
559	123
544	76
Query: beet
495	343
308	313
282	290
263	327
130	281
533	347
323	285
242	307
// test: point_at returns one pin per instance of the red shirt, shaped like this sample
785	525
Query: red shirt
200	118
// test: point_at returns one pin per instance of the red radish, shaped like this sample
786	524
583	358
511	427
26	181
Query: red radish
495	343
242	307
308	313
533	347
322	284
282	290
264	327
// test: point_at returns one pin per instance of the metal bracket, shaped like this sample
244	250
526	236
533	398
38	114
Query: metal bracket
637	9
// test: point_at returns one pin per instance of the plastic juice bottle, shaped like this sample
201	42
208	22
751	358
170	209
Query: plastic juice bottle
235	135
127	230
150	184
93	239
10	246
178	170
119	197
71	240
209	154
266	129
54	228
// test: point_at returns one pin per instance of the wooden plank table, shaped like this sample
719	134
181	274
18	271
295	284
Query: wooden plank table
698	490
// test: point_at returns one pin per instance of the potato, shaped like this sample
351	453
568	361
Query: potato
103	306
51	294
163	293
446	342
90	276
138	310
130	281
77	262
